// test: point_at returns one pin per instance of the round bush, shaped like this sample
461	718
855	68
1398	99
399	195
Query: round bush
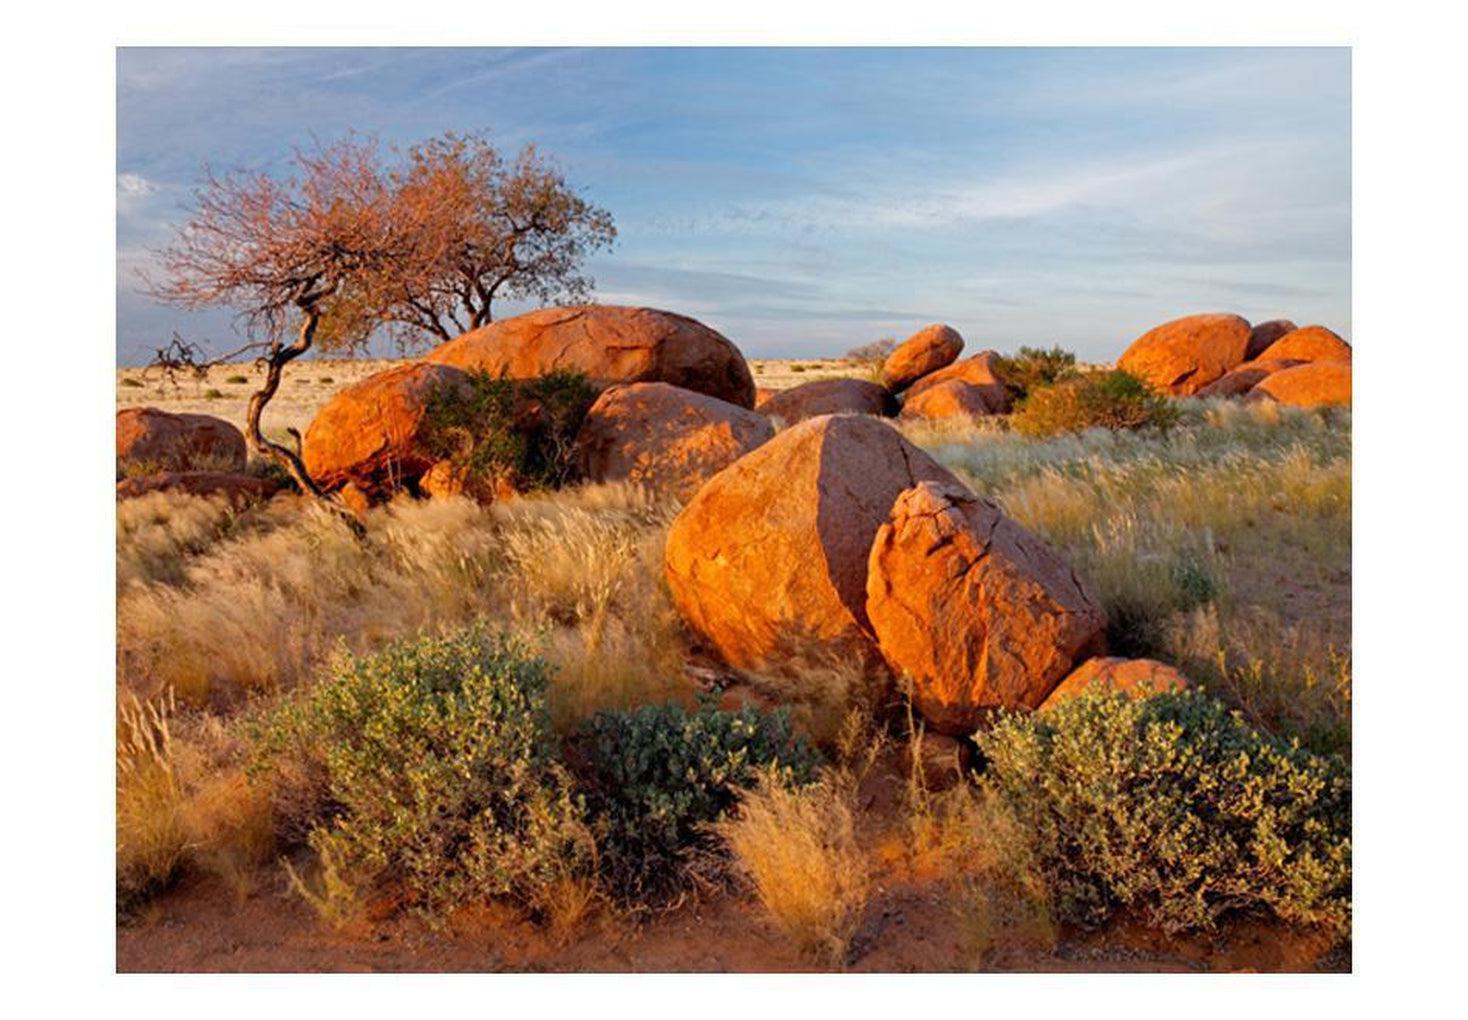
1174	806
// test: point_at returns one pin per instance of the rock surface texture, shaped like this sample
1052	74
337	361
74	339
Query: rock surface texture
977	613
608	344
772	552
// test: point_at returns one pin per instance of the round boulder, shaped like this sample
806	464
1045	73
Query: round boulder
927	350
1244	378
1266	333
669	439
1129	676
1313	343
1183	356
151	440
1314	384
829	396
980	370
977	612
955	398
772	551
370	434
608	344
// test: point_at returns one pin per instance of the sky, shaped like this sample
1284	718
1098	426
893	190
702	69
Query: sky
806	201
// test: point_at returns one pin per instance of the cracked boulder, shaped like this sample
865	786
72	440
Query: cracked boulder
975	611
771	555
608	344
1183	356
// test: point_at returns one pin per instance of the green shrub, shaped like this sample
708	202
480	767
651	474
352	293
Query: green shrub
130	382
516	429
213	394
237	380
326	380
1033	368
797	368
657	776
440	782
1112	399
1174	806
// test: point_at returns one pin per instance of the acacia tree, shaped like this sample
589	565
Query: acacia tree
290	255
483	228
345	244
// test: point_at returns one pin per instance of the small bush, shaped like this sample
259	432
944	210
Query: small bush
439	777
130	382
213	394
658	775
1174	806
797	847
237	380
797	368
326	380
1113	400
520	430
1032	368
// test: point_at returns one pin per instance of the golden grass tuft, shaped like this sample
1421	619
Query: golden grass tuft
152	829
798	848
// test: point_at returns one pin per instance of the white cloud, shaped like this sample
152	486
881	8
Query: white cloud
134	185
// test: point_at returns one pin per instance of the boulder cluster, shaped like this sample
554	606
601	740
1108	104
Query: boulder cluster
1220	355
807	519
921	379
840	534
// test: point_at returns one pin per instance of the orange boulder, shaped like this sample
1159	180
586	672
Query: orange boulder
1130	676
980	370
1313	384
1244	378
666	438
152	440
773	549
1313	343
927	350
829	396
608	344
1266	333
370	434
976	611
1183	356
955	398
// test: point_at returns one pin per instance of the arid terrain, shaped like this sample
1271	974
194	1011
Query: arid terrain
1214	539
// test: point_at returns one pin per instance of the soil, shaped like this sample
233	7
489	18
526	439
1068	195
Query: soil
200	927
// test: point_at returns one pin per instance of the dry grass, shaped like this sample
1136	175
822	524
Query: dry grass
182	802
1192	542
798	848
259	608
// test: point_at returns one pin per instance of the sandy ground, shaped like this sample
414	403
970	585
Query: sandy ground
913	923
225	391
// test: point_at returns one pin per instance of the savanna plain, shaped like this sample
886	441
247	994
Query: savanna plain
478	734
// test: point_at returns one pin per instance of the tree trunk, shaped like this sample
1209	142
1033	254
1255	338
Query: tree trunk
288	459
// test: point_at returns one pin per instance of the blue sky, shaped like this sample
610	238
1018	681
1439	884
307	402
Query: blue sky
806	201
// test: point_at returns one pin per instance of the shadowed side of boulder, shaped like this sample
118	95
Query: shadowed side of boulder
663	437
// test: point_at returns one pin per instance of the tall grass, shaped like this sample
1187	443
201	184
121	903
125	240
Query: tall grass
1184	536
797	846
260	607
